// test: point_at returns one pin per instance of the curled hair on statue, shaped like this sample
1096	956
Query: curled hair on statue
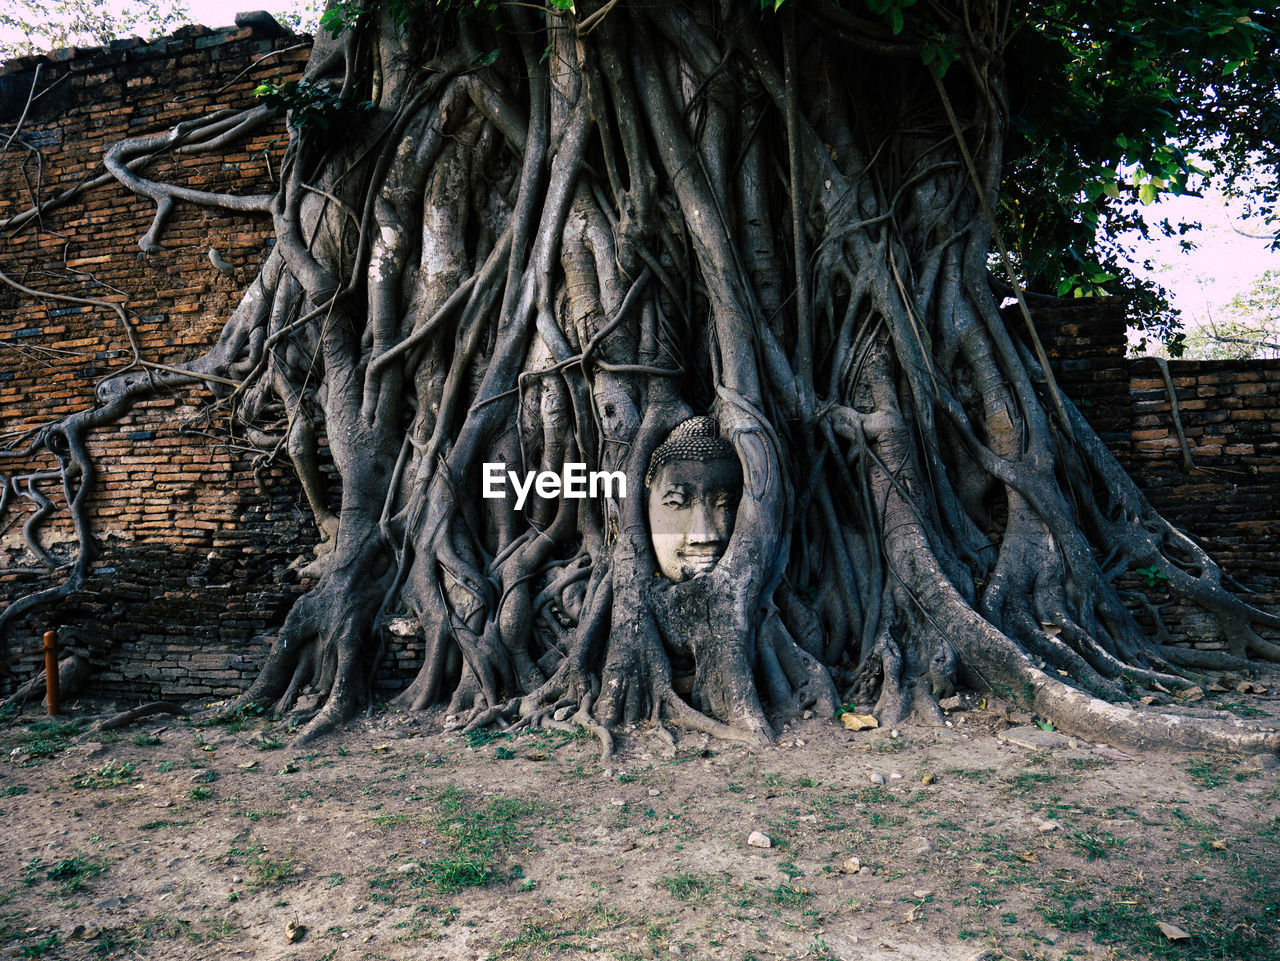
696	439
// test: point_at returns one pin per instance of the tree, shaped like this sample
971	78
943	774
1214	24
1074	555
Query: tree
637	236
1249	326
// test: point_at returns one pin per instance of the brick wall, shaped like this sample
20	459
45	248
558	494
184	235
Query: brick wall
1229	500
196	554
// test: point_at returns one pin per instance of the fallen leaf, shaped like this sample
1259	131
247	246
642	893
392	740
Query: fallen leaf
1149	699
1172	931
1218	845
1216	688
248	765
859	722
1190	694
381	748
1157	686
1029	857
294	931
928	779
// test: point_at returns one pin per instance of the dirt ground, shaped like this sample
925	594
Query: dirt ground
991	838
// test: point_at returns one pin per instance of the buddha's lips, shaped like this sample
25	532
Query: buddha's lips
695	559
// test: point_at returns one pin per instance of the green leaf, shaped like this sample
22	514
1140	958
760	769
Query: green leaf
1148	192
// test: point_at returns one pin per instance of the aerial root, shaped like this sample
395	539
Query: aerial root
1125	726
691	719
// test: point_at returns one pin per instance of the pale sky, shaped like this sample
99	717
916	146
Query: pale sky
1224	262
222	13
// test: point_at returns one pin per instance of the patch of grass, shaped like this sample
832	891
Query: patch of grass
485	735
73	874
1211	773
48	738
108	775
392	820
263	871
480	835
1025	781
788	896
200	793
143	739
1120	921
1097	845
14	790
1239	709
37	949
686	886
976	774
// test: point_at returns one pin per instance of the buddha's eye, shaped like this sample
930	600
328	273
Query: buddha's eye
675	498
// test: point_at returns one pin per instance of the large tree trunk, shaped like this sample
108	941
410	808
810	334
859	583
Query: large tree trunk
552	238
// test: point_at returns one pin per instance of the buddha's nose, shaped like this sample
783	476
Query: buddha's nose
703	528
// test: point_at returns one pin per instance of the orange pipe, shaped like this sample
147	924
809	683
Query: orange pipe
53	695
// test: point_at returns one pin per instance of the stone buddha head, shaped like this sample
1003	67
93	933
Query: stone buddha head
693	486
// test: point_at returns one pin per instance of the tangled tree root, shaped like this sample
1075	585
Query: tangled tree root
535	240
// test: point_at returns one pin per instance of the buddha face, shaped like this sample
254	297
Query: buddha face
691	510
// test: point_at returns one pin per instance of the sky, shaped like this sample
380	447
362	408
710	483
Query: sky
221	13
1225	261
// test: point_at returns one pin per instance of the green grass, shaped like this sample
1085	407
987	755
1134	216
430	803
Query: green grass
37	949
686	886
789	897
480	835
108	775
1097	845
1130	931
48	738
68	876
1214	773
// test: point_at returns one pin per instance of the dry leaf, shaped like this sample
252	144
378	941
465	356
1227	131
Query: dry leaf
1216	688
1172	931
1218	845
381	748
859	722
1190	694
294	931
